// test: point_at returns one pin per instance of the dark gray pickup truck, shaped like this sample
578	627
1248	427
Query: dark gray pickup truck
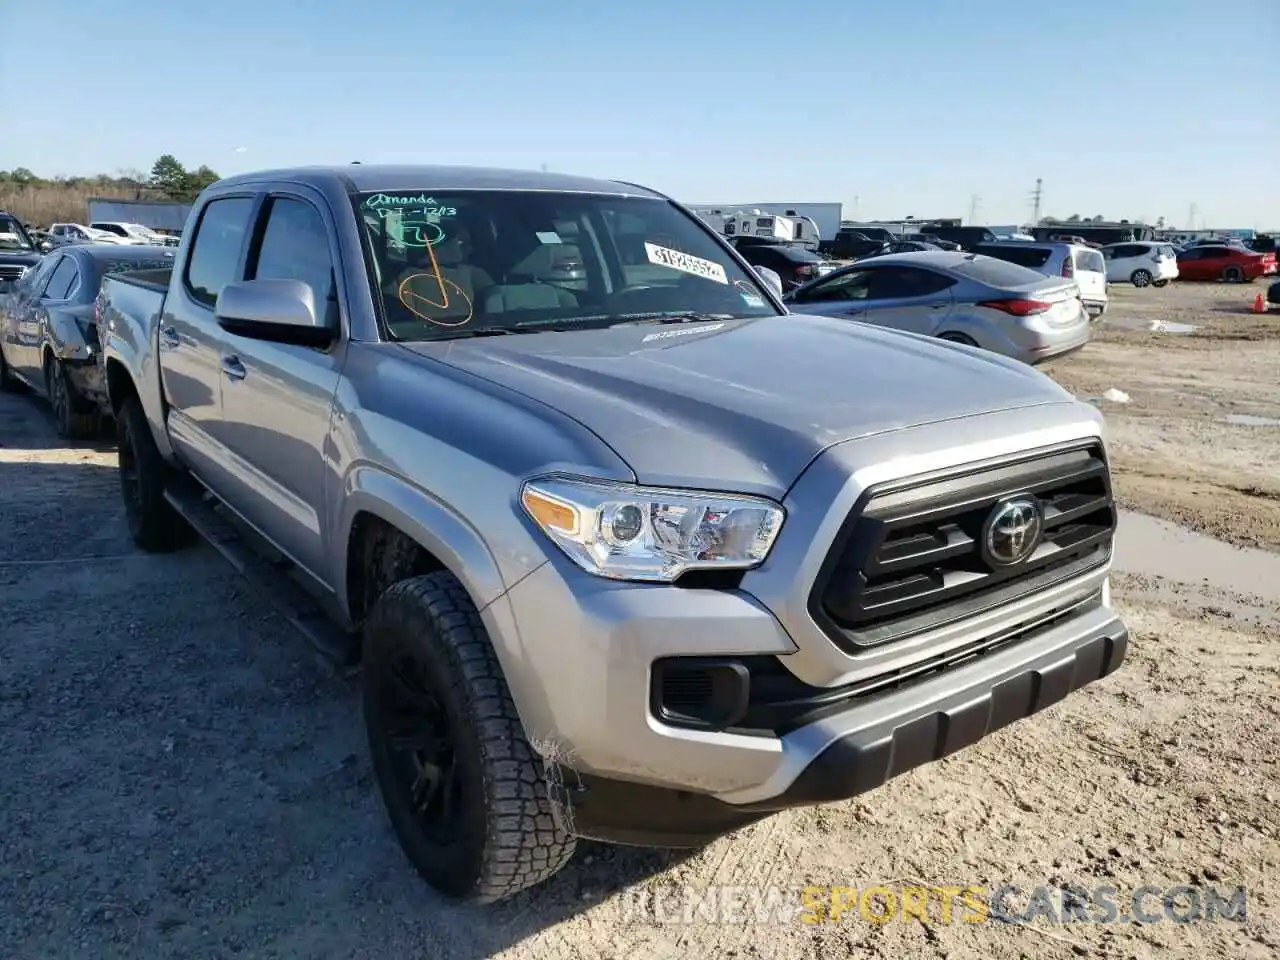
622	549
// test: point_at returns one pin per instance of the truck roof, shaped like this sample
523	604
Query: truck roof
376	177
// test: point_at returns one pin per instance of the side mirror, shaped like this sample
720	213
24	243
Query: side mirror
44	246
283	311
771	279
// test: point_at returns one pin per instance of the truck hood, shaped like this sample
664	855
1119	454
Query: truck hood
23	257
745	404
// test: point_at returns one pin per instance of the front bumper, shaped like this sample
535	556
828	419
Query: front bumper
863	747
583	655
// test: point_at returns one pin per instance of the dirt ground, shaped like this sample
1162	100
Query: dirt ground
182	780
1176	452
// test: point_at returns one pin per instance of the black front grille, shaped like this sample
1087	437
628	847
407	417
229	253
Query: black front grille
910	557
10	271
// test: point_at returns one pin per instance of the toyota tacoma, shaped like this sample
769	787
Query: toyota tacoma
619	547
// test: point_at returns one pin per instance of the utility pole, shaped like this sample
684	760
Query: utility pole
973	209
1036	196
1191	217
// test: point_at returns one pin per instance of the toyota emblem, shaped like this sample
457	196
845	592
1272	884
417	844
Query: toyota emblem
1012	531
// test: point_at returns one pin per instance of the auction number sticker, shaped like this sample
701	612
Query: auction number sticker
686	263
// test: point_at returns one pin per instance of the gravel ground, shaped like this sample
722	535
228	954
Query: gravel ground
1177	452
183	780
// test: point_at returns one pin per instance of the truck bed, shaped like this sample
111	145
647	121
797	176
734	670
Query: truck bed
157	279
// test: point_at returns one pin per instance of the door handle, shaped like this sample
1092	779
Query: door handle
938	305
170	337
233	368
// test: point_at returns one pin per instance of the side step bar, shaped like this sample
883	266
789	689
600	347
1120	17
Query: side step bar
339	647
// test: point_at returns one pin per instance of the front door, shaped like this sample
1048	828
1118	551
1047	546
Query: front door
277	397
840	294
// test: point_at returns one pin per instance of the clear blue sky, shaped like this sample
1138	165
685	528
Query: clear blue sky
1127	108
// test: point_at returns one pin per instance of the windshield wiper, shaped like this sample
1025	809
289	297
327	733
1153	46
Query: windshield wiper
482	332
665	318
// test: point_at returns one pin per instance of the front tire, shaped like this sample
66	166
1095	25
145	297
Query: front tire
1140	278
153	524
1232	274
1159	283
69	417
465	792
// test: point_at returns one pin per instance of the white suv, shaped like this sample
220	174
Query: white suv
1141	262
1083	264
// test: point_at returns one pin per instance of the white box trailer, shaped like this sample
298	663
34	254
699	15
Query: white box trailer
825	216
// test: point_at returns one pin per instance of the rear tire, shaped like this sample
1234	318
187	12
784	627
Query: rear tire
465	792
1140	278
70	418
958	338
1232	274
154	525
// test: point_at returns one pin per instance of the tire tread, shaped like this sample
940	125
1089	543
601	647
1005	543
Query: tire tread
523	845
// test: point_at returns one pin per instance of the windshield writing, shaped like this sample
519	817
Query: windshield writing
510	261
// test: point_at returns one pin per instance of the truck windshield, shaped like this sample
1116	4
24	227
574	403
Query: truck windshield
449	263
13	236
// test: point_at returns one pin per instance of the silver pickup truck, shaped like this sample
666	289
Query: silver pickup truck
622	549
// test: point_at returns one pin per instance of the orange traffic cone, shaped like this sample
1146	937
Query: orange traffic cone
1259	305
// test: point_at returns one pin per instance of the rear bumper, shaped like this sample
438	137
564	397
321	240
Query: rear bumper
864	746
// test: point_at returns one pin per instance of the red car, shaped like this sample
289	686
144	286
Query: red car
1233	264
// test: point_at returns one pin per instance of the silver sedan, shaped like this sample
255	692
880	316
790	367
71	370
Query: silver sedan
957	296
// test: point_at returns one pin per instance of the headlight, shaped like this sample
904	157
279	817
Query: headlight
627	532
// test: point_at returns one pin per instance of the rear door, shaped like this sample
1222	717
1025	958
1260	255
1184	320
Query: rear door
1193	264
190	340
908	298
1090	273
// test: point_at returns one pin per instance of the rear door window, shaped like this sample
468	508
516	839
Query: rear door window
901	283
